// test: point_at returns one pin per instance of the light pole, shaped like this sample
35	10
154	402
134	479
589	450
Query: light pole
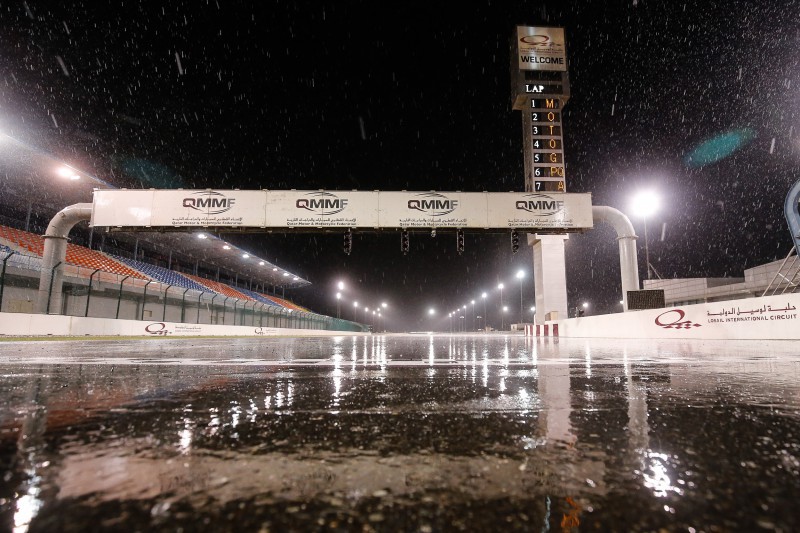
502	318
520	275
464	307
484	295
431	313
473	315
338	305
645	204
355	311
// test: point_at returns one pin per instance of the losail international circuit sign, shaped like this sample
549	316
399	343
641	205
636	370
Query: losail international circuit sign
297	210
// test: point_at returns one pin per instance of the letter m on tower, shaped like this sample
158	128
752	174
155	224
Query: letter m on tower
549	103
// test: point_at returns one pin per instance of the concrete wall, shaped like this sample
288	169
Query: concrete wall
700	289
768	318
34	325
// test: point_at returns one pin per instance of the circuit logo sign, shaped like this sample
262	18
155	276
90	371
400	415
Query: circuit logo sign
157	328
209	202
541	204
433	204
674	319
322	203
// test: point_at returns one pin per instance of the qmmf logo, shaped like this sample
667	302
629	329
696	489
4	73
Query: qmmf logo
433	204
209	202
322	203
541	204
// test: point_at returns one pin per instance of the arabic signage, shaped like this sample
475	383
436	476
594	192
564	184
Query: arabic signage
745	313
340	209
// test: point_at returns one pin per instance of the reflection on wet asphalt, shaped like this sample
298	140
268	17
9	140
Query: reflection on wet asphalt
388	433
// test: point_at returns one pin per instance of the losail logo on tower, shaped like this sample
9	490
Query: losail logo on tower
322	203
209	202
433	204
541	204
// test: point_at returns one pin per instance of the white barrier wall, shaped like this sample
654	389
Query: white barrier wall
769	318
34	325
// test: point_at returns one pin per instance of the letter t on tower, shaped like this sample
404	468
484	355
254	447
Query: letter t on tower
540	89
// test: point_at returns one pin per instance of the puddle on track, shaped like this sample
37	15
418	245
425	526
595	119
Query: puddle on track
399	433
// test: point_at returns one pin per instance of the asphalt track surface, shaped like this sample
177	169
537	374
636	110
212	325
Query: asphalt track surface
399	433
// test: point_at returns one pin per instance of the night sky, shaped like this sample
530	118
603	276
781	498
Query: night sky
358	95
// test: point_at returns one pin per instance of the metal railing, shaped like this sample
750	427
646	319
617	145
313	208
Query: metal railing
100	294
787	278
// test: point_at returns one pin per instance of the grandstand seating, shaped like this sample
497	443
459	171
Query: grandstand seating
23	240
286	303
32	246
76	255
80	256
162	275
221	288
259	297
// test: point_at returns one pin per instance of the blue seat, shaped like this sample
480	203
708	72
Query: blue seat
162	275
258	297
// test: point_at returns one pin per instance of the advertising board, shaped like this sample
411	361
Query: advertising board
297	210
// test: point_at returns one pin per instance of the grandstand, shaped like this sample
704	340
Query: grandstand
101	282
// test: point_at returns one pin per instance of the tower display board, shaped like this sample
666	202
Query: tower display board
540	89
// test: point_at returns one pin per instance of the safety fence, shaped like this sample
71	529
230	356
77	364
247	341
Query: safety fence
101	294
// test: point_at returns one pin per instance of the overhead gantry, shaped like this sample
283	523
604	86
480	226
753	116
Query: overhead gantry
542	214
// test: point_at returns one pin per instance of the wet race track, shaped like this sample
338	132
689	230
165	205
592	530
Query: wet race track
399	433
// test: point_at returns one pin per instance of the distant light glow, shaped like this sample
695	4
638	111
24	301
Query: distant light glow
384	305
645	204
66	172
483	295
261	263
520	274
295	278
201	236
585	305
501	286
226	247
340	285
285	274
338	295
431	311
505	308
245	256
275	269
533	308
